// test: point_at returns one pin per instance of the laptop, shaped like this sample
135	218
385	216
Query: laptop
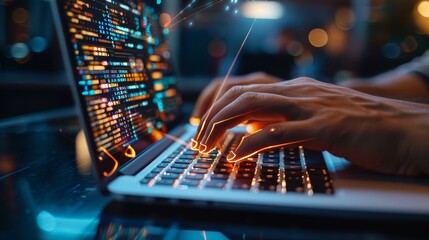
118	62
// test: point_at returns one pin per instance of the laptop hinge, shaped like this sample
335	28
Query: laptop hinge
150	153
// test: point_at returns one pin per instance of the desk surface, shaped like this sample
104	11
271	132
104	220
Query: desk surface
48	193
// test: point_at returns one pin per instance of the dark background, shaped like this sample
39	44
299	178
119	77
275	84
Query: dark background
365	37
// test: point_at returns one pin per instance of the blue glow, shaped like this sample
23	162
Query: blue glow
158	2
46	221
391	50
38	44
19	50
227	8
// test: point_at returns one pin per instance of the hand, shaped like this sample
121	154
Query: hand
380	134
209	94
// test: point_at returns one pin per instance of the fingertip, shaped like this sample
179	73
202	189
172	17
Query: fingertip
194	145
194	120
231	156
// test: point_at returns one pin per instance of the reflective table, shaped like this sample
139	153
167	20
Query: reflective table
48	192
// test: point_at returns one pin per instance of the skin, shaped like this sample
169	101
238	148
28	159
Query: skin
392	85
382	134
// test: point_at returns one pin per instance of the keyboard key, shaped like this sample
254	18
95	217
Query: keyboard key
199	170
210	161
244	175
190	182
295	179
270	170
211	155
268	181
166	182
223	160
175	170
157	170
293	172
316	171
246	170
222	170
243	184
295	162
180	165
248	164
268	187
202	165
314	159
225	165
170	176
168	160
270	165
293	167
183	161
220	176
216	184
269	176
195	176
270	160
187	157
162	165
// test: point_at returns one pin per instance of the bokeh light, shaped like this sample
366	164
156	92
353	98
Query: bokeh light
391	50
217	48
423	8
38	44
20	15
345	18
409	44
164	19
421	17
318	37
19	50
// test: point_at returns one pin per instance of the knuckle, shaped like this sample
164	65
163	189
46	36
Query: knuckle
235	91
248	97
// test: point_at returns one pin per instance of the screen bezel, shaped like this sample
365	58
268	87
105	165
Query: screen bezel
67	52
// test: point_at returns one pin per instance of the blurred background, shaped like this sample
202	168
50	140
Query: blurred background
328	40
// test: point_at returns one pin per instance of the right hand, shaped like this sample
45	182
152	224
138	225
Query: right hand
213	92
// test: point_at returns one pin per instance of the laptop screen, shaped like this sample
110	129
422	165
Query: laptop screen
120	61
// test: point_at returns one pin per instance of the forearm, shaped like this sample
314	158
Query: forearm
392	85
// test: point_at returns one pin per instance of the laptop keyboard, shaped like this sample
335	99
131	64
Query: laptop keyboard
280	170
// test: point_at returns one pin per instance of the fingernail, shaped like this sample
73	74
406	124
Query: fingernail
207	152
194	121
202	148
231	156
194	145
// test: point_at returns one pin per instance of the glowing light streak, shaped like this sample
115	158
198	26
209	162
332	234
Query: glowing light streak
115	167
130	152
169	25
194	145
226	78
174	138
232	154
222	121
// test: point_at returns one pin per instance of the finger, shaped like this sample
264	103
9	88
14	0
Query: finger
205	99
229	97
209	94
249	106
290	134
254	126
237	91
